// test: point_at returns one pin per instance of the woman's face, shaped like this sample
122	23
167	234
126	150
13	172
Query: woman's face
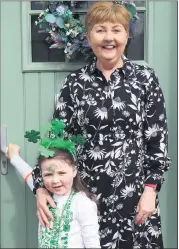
108	40
58	176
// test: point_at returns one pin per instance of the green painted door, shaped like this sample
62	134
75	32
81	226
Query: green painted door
27	100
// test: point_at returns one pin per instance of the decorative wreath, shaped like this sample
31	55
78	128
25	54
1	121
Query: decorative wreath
66	31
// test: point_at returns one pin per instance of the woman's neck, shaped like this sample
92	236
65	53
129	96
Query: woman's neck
107	67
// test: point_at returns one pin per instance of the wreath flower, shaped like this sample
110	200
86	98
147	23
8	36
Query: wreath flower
68	32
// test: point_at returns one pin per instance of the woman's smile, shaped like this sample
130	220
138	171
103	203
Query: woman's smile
108	41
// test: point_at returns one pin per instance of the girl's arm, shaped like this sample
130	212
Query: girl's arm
21	166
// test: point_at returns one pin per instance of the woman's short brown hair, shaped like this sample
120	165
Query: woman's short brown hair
101	12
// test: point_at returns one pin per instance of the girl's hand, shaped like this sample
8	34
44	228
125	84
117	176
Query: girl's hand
12	150
146	205
43	213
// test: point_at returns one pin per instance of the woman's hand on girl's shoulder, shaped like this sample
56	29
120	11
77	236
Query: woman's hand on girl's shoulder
12	150
43	212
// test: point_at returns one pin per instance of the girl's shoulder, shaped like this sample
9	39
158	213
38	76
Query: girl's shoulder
83	200
82	196
84	206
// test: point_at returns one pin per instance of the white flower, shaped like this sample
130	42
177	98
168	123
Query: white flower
41	14
161	117
105	232
110	200
67	25
82	103
60	104
63	114
80	117
146	73
152	131
69	32
74	33
128	191
154	231
83	174
85	76
60	9
119	133
136	245
93	190
102	113
139	134
126	114
96	153
90	100
118	104
36	22
108	92
119	206
114	220
86	121
95	84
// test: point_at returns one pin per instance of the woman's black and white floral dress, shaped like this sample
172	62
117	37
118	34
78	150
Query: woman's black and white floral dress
124	121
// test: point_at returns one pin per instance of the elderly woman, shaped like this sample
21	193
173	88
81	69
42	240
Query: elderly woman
119	107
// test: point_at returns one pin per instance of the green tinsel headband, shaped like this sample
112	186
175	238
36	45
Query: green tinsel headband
54	139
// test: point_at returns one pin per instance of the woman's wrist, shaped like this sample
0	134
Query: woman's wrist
154	186
150	188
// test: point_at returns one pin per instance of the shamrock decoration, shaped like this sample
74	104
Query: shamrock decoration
54	139
32	136
79	139
58	126
46	152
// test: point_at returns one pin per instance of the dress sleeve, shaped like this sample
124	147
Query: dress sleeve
64	109
156	160
88	220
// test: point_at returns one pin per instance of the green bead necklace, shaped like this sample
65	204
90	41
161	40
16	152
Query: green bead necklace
57	237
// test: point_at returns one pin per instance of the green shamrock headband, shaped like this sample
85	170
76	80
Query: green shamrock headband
54	139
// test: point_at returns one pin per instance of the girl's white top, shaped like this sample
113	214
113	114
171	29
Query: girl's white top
84	225
84	228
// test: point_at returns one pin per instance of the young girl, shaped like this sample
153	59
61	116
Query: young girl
75	222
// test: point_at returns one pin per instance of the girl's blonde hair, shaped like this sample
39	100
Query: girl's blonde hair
101	12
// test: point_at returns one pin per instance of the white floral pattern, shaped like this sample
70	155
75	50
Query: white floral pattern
124	121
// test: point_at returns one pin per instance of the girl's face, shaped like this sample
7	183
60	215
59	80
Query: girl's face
108	40
58	176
